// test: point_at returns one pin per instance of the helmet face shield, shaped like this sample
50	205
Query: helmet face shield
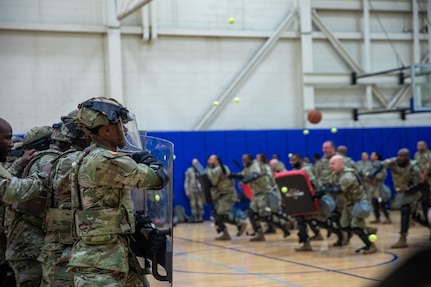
112	112
131	134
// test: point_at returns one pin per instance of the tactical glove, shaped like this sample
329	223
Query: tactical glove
146	158
157	241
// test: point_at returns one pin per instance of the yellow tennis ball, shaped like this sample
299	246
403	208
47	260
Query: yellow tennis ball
215	103
333	130
372	238
236	100
305	132
231	20
284	189
157	197
290	155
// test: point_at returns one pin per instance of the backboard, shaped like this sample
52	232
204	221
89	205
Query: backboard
421	87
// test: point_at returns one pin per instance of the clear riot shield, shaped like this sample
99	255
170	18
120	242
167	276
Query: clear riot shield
157	205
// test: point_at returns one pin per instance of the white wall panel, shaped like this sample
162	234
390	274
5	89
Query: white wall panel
171	82
53	11
44	76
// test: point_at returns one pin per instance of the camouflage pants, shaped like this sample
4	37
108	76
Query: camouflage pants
28	273
224	203
107	278
259	204
54	265
196	205
348	220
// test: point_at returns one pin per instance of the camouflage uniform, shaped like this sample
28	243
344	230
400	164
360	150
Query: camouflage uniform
266	202
23	220
102	206
353	191
374	188
192	186
423	159
403	178
105	215
55	252
223	194
13	190
323	174
24	224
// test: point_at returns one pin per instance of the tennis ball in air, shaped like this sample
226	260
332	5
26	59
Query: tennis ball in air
157	197
290	155
372	238
236	100
231	20
284	189
215	103
305	132
333	130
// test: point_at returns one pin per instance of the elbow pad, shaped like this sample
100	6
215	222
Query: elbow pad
162	173
336	189
375	170
236	176
250	178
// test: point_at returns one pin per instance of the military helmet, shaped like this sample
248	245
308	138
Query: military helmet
38	138
100	111
70	128
58	133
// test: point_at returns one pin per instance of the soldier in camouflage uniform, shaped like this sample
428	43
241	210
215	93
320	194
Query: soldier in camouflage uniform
314	221
347	182
102	180
423	158
407	180
323	172
55	252
223	194
264	206
194	194
374	187
23	221
13	190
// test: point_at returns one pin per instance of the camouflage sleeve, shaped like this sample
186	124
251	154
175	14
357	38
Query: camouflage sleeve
214	174
390	162
313	179
347	181
186	180
120	171
19	189
15	169
416	175
381	176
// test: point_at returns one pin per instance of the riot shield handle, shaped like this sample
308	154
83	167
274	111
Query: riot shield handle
168	264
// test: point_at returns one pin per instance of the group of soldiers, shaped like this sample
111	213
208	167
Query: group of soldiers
67	213
347	192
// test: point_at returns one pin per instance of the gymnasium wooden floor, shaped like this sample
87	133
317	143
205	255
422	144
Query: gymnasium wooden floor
200	261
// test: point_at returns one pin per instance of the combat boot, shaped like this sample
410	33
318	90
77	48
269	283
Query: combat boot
402	241
259	237
370	249
285	227
317	237
241	228
224	237
305	247
346	237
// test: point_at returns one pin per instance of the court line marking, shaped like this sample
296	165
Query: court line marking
322	269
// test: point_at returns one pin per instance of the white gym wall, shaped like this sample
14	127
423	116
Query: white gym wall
168	61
